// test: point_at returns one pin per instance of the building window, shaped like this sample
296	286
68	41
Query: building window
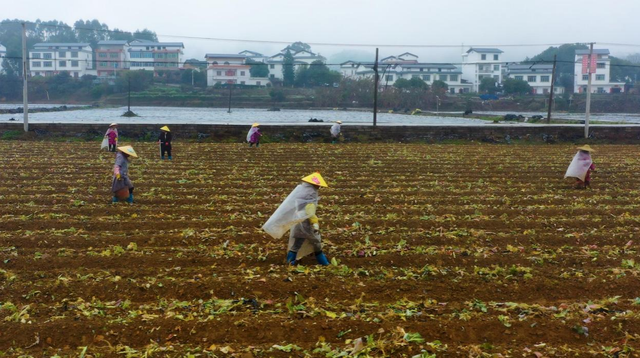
421	69
104	64
74	64
600	90
36	64
444	78
272	66
113	55
62	63
241	73
35	55
544	78
600	57
519	78
483	57
218	73
601	65
103	55
62	54
37	73
389	78
272	75
47	64
496	67
585	77
599	77
47	56
74	54
531	78
258	83
453	78
426	77
495	57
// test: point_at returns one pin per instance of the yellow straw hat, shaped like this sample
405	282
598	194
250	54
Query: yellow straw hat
165	128
586	148
255	125
113	125
128	150
339	122
315	179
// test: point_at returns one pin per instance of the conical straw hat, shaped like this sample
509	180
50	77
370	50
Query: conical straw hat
128	150
586	148
256	125
315	179
165	128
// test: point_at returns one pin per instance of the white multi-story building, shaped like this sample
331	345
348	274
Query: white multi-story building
600	72
112	57
3	54
538	76
478	63
348	69
155	56
300	58
231	69
255	56
49	59
393	68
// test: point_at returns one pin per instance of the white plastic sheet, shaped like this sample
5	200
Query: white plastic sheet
335	130
579	166
105	144
292	212
251	131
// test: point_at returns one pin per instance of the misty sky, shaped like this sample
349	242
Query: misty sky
420	22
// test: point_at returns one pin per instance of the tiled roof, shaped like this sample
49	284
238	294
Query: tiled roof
57	44
602	51
113	42
224	55
484	50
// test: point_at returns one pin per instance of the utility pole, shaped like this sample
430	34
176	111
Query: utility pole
230	86
129	97
375	90
25	71
553	81
192	82
588	109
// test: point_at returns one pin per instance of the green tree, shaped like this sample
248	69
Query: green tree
277	95
258	69
488	85
91	31
199	78
316	74
623	70
413	83
145	35
140	80
288	74
299	46
439	86
514	86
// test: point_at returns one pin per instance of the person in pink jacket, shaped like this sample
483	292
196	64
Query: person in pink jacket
112	136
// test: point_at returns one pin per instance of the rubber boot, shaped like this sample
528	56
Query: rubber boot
162	157
170	158
291	257
322	259
130	199
114	200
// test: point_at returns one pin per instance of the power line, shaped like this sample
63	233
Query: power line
219	39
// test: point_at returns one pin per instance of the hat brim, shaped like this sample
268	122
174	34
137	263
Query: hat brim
587	149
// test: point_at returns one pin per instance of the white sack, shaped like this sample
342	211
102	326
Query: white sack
105	144
290	212
251	131
335	130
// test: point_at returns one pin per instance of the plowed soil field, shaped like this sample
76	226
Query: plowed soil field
437	250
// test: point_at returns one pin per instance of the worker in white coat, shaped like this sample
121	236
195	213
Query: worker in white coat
297	214
581	167
335	131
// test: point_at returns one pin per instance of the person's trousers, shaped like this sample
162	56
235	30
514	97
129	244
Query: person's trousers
165	148
112	147
297	244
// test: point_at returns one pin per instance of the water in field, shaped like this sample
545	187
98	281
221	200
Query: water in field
193	115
